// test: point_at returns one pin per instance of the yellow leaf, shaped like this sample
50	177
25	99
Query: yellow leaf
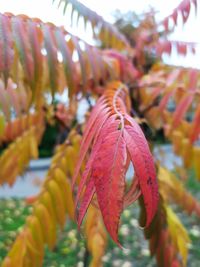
2	125
32	254
196	153
47	201
35	227
172	188
178	234
97	249
63	164
176	140
66	192
14	254
58	204
187	152
71	158
47	224
33	147
96	236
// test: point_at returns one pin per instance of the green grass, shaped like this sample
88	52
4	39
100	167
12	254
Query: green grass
193	185
69	250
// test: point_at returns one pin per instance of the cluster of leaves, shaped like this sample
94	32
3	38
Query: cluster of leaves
39	60
16	157
117	141
17	127
181	126
183	10
37	55
104	31
52	205
56	192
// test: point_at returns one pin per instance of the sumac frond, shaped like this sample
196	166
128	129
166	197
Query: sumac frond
16	127
173	190
177	108
183	10
115	140
104	31
50	208
16	157
40	55
166	46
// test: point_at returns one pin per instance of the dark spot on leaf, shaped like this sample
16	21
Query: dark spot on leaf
149	181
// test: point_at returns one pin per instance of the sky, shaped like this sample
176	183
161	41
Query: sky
45	10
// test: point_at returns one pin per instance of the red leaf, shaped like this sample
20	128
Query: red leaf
108	172
51	49
175	263
165	100
98	116
93	64
174	16
182	108
173	76
166	24
193	79
185	9
68	64
164	47
144	166
193	49
110	133
168	254
181	48
6	46
107	167
95	149
36	51
127	70
30	200
167	47
23	46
